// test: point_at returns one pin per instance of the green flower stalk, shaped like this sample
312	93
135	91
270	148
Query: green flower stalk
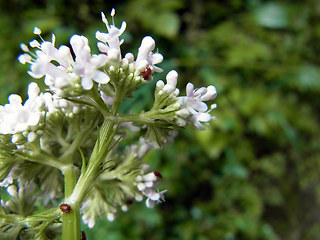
60	148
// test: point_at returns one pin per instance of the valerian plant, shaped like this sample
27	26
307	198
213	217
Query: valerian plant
60	148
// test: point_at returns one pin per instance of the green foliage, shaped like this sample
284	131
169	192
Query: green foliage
254	173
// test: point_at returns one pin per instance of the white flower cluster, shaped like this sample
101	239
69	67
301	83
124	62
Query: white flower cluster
68	71
147	184
15	117
193	106
25	120
90	206
135	180
61	70
190	108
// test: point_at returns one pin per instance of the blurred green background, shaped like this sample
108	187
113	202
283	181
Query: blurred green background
254	173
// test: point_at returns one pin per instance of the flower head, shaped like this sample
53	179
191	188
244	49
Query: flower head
146	58
147	184
59	67
110	42
194	108
15	117
86	66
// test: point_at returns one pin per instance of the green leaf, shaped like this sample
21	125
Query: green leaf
157	135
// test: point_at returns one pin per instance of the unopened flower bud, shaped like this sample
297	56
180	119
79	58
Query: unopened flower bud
184	113
172	77
125	63
16	138
129	57
210	94
124	208
32	136
111	216
160	84
12	190
138	197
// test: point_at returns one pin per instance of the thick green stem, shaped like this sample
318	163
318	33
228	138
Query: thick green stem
76	190
71	219
89	176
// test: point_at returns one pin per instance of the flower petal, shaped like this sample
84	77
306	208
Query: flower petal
101	77
210	94
203	117
157	58
86	83
189	90
200	106
150	203
200	91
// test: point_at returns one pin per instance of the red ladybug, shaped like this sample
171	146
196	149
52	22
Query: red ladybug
65	208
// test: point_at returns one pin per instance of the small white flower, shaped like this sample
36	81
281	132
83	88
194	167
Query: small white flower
89	220
146	58
110	42
15	117
146	184
86	65
171	85
169	89
154	197
67	71
193	106
151	177
54	104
